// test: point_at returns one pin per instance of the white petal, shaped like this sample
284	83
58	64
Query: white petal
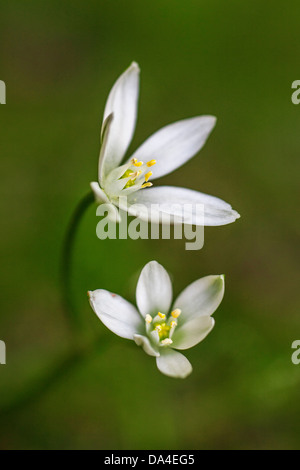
175	144
122	104
200	298
118	315
192	332
99	194
186	205
154	290
105	131
146	345
173	364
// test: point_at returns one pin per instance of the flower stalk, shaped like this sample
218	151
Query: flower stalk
66	260
54	373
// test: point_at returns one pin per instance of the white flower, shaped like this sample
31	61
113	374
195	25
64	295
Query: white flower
158	326
160	154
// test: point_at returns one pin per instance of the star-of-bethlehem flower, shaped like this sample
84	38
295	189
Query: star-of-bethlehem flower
160	154
159	326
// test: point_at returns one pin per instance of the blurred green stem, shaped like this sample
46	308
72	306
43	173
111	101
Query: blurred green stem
53	375
80	352
66	259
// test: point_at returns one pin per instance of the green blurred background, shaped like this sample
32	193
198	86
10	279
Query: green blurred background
236	60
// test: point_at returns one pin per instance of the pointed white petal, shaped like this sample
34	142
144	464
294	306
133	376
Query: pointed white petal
173	364
186	205
175	144
122	104
201	298
154	290
146	345
192	332
118	315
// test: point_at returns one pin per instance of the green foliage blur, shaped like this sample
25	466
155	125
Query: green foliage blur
236	60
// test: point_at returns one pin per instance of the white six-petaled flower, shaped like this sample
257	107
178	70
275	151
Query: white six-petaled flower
159	326
160	154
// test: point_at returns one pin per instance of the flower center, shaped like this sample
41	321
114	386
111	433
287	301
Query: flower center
161	328
138	177
128	178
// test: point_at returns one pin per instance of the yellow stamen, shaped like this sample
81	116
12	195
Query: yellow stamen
136	163
146	185
166	341
176	313
173	324
151	163
147	175
135	174
148	318
161	315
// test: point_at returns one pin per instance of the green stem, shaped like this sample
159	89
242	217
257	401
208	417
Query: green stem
54	374
66	259
74	357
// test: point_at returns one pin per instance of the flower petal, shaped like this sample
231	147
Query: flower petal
146	345
175	144
201	298
122	105
186	205
100	196
192	332
173	364
154	290
118	315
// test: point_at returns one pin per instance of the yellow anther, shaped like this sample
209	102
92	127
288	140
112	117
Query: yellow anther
147	175
135	162
148	318
158	328
173	324
146	185
135	174
166	341
176	313
151	163
161	315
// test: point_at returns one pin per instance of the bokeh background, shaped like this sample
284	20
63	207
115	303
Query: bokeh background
236	60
